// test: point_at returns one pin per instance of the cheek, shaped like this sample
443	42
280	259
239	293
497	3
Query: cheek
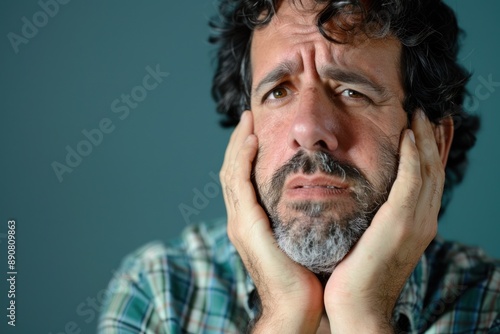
369	147
363	156
377	158
273	148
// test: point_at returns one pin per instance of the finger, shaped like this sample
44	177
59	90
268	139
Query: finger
238	190
406	188
242	130
240	133
240	180
431	166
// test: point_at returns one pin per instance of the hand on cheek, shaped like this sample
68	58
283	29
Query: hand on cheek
291	296
367	283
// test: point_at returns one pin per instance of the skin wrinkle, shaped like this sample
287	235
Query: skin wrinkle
393	96
398	18
289	52
298	37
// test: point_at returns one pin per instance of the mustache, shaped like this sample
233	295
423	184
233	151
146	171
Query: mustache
310	163
316	162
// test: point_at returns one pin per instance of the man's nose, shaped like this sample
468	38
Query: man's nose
314	125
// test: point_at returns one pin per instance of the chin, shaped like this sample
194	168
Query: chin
318	243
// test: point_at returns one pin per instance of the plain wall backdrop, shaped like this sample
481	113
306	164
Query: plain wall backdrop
69	76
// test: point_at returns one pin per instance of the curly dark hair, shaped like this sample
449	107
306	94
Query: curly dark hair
427	29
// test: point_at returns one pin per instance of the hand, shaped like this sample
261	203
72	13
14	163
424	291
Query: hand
291	296
364	287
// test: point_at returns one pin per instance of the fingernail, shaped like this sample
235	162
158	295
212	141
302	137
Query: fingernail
411	135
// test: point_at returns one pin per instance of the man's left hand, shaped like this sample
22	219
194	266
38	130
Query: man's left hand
363	289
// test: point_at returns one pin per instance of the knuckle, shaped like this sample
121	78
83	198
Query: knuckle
430	170
433	171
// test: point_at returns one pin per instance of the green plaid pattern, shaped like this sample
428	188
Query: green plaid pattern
197	284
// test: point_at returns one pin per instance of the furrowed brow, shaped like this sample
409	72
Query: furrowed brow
354	78
277	74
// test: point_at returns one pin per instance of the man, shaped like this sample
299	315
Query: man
333	182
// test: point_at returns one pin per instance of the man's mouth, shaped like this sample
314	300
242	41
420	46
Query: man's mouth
315	181
314	187
317	186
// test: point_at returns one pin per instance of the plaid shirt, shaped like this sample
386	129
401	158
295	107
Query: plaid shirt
197	284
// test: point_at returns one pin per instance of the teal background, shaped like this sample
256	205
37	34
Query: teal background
71	235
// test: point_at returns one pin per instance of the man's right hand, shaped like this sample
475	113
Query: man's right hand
291	296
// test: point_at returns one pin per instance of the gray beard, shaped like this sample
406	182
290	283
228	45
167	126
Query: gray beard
317	245
313	233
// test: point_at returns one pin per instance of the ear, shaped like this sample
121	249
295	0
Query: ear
443	133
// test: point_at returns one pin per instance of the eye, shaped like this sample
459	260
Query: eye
350	93
278	93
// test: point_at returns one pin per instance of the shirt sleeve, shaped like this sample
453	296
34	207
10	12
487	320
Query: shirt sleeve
191	284
129	305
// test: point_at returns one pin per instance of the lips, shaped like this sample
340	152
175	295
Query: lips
315	182
317	186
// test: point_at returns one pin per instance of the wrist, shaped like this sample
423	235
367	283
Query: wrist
289	316
283	322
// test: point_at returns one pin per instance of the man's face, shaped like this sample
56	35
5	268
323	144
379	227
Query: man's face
328	118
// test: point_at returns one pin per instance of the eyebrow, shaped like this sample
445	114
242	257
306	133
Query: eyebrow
281	71
354	78
287	68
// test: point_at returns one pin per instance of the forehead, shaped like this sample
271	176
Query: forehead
292	36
